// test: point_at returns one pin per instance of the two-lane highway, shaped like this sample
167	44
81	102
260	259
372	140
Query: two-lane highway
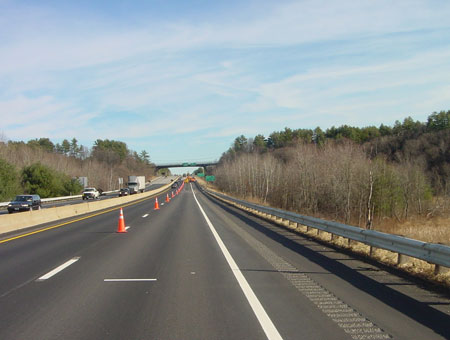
198	269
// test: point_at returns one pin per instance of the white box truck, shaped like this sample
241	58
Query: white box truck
136	184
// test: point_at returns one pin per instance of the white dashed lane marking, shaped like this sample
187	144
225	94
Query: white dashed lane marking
129	280
58	269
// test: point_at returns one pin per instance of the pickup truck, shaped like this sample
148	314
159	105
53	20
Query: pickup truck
90	193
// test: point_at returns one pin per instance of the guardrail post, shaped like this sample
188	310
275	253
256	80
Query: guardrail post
440	269
372	251
402	259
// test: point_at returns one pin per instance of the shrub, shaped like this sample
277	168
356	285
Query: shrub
9	181
45	182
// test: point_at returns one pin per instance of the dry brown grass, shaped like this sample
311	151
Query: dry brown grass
433	230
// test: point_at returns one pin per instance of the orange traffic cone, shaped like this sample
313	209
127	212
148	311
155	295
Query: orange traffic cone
167	198
121	228
156	204
173	195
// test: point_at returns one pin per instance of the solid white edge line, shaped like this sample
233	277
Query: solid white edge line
58	269
264	320
127	280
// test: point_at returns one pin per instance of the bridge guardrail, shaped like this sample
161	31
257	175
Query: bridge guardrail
437	254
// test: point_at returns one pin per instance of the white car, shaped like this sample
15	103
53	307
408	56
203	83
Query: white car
90	193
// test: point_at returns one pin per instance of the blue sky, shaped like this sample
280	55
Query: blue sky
182	79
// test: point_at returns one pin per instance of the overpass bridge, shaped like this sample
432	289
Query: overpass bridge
186	164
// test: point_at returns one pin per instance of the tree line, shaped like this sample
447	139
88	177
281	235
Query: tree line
353	175
42	167
407	129
421	142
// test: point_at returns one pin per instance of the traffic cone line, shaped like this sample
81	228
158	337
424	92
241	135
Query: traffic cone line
173	195
121	227
167	198
156	204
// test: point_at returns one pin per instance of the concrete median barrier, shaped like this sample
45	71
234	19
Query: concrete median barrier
17	221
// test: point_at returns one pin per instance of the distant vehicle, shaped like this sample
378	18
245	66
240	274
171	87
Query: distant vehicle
136	184
25	203
90	193
174	185
124	192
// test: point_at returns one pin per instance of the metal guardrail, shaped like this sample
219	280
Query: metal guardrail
437	254
45	200
62	198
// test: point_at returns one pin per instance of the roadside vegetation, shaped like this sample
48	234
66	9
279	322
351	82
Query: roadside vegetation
393	179
41	167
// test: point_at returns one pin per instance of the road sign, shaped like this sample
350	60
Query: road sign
201	174
83	181
210	178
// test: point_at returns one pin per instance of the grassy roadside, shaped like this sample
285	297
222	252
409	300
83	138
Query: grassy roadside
432	230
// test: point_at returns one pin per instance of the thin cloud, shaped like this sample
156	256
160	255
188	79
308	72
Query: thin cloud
259	68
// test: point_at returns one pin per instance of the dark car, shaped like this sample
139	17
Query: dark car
25	203
124	192
175	185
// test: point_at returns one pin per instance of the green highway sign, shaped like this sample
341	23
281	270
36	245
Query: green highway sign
201	174
210	178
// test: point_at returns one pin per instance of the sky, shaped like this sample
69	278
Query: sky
182	79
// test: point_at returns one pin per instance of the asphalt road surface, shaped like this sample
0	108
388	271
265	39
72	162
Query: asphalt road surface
199	269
